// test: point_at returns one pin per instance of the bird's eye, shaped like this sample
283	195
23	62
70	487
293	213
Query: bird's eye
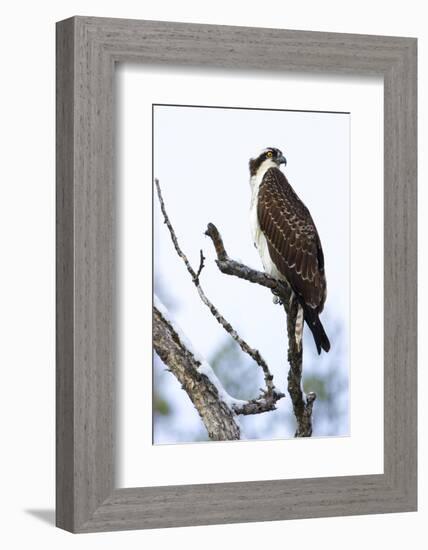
269	154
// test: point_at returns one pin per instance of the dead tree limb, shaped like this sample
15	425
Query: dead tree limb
246	348
217	416
268	397
217	409
302	405
231	267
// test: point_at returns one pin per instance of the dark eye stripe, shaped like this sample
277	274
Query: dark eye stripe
269	153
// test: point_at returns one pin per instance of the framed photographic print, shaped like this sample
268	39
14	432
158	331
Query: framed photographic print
236	274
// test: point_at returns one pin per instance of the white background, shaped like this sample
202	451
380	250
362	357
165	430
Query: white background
27	287
325	138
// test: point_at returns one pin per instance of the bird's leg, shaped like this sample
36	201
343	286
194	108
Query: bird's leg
277	296
291	301
298	321
299	328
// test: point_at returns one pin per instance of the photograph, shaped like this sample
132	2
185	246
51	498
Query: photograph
251	273
210	275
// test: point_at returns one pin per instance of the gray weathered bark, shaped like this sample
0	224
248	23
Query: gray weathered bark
218	418
302	405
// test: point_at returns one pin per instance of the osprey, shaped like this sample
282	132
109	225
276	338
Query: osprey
287	240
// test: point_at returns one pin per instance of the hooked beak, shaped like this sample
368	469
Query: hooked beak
282	160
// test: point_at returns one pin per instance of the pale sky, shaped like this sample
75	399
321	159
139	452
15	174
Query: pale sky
201	159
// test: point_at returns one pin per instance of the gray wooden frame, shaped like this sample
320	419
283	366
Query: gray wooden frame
87	50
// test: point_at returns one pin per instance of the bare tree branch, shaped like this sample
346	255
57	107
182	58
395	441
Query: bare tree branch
265	403
201	265
232	267
215	406
302	406
218	418
271	395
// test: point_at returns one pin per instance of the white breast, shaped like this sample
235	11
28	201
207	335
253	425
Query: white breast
257	234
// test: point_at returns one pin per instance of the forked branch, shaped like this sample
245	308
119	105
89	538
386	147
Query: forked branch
302	405
268	398
237	269
216	414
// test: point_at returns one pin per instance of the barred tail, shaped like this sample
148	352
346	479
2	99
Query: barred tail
313	321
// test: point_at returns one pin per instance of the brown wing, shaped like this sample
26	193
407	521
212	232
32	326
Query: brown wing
292	238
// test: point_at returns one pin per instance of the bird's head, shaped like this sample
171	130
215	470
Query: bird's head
267	158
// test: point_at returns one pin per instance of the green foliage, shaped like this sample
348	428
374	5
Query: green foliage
161	406
240	376
318	385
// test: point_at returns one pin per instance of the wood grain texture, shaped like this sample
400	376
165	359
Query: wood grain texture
64	278
87	49
217	416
